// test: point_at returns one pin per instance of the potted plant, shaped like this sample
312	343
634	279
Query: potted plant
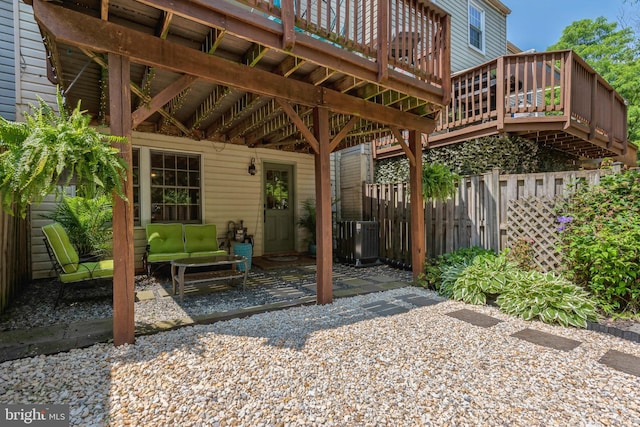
307	221
48	149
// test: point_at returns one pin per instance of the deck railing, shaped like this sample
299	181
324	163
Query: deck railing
536	85
410	35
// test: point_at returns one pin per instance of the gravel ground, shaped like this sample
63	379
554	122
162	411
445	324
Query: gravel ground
337	365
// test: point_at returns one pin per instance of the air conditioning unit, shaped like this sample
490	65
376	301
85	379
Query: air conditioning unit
357	242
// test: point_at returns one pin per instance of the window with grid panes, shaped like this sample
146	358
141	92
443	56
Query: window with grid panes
476	27
175	187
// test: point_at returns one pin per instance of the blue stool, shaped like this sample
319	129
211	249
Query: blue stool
245	250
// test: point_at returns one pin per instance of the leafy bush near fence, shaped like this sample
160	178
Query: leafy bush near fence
480	277
600	241
438	270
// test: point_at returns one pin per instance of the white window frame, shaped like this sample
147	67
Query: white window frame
475	6
145	181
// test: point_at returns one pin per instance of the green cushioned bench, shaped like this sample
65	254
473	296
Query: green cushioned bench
166	242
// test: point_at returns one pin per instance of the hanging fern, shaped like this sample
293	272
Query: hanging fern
50	148
438	182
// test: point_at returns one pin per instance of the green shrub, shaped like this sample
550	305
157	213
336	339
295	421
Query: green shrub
600	241
521	253
548	297
436	268
527	294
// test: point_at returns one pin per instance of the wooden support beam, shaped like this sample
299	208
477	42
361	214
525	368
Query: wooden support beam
166	95
104	10
417	206
78	29
295	118
163	29
343	132
140	94
123	245
324	228
288	25
398	135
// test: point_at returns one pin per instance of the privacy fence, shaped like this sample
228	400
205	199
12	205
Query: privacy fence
488	210
14	256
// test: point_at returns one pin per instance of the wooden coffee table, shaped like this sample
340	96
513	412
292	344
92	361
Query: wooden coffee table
179	266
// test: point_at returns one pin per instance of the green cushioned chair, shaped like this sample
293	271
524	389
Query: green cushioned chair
66	261
165	242
201	240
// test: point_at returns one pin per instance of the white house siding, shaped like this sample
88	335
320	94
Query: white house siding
229	192
32	63
495	32
7	62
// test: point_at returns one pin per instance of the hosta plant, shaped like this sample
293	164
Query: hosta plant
548	297
527	294
487	276
436	269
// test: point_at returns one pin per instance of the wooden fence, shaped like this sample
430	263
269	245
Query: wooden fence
477	215
14	256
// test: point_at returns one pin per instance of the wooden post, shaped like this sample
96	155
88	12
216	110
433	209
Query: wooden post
324	261
500	97
123	256
383	40
417	205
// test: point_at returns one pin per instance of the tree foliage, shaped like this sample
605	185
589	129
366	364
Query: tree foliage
615	54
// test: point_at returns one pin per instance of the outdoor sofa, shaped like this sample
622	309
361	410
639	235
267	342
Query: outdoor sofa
168	242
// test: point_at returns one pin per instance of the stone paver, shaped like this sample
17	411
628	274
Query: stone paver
418	300
476	319
384	308
546	340
622	362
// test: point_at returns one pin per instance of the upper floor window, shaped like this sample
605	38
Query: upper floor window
175	187
476	27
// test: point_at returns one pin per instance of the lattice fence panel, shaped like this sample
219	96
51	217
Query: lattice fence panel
534	219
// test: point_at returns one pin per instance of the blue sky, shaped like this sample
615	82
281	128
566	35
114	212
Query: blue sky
537	24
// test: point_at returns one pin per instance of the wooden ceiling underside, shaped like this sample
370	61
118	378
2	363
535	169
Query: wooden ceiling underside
193	74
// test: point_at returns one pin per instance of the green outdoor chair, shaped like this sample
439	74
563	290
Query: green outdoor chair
66	261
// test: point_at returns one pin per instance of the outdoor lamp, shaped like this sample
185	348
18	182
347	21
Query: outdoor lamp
252	166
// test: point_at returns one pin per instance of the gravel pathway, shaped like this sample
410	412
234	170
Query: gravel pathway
338	365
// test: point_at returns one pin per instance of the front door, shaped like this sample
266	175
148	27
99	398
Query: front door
279	221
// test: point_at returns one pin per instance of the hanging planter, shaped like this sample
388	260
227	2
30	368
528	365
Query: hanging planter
49	150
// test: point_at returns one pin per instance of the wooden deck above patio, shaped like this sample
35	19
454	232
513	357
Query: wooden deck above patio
250	72
554	98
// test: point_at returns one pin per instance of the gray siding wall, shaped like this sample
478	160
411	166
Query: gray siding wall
495	32
33	66
7	62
